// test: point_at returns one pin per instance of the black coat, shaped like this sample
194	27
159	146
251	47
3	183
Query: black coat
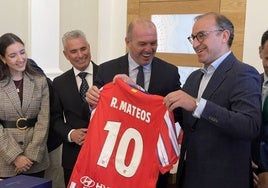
76	112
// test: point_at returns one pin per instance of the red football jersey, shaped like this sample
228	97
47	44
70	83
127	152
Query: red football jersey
130	138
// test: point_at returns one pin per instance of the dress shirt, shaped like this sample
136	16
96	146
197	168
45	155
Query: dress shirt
89	79
133	71
89	76
208	73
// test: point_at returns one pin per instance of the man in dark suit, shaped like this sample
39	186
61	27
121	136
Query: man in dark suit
260	146
221	110
71	112
160	77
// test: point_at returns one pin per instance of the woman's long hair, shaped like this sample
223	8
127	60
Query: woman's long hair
5	41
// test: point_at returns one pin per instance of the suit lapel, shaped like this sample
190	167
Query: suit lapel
10	90
73	89
75	95
262	77
124	67
95	70
28	90
218	77
155	72
191	85
197	80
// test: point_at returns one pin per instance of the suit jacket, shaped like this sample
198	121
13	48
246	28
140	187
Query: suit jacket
263	144
218	144
164	79
69	112
164	76
30	142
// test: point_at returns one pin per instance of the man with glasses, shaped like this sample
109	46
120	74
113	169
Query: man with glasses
200	36
221	105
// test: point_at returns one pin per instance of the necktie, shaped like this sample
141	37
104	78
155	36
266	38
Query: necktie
84	85
265	110
140	77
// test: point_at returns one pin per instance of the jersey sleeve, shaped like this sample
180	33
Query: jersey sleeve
168	148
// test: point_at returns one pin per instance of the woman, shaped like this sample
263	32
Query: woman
24	112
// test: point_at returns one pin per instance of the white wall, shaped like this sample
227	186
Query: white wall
41	25
82	15
14	18
256	24
112	29
44	35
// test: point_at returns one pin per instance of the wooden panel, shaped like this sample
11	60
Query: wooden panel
234	10
187	60
132	10
181	7
142	1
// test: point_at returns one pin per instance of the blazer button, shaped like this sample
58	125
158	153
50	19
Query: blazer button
20	143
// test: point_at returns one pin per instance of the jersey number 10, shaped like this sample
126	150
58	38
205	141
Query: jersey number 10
108	148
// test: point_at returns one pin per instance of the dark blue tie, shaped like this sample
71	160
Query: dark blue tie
84	85
140	77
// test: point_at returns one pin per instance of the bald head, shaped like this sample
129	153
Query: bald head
139	23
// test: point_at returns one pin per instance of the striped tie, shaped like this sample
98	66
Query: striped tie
84	85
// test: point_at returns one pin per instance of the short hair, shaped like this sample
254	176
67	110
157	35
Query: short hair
72	34
264	38
222	22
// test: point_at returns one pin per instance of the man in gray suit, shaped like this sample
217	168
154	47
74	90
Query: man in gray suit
221	110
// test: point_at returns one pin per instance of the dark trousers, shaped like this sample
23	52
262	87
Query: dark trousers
162	181
67	175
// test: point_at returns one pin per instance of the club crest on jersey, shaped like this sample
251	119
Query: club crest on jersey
134	90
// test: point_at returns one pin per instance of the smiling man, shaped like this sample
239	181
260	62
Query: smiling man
221	105
158	76
70	111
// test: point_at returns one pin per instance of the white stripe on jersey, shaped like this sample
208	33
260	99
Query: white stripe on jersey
161	148
162	153
172	133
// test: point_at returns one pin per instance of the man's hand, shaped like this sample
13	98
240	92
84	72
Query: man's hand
255	176
78	135
125	78
93	95
180	99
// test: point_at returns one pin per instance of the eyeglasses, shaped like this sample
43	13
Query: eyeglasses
200	36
